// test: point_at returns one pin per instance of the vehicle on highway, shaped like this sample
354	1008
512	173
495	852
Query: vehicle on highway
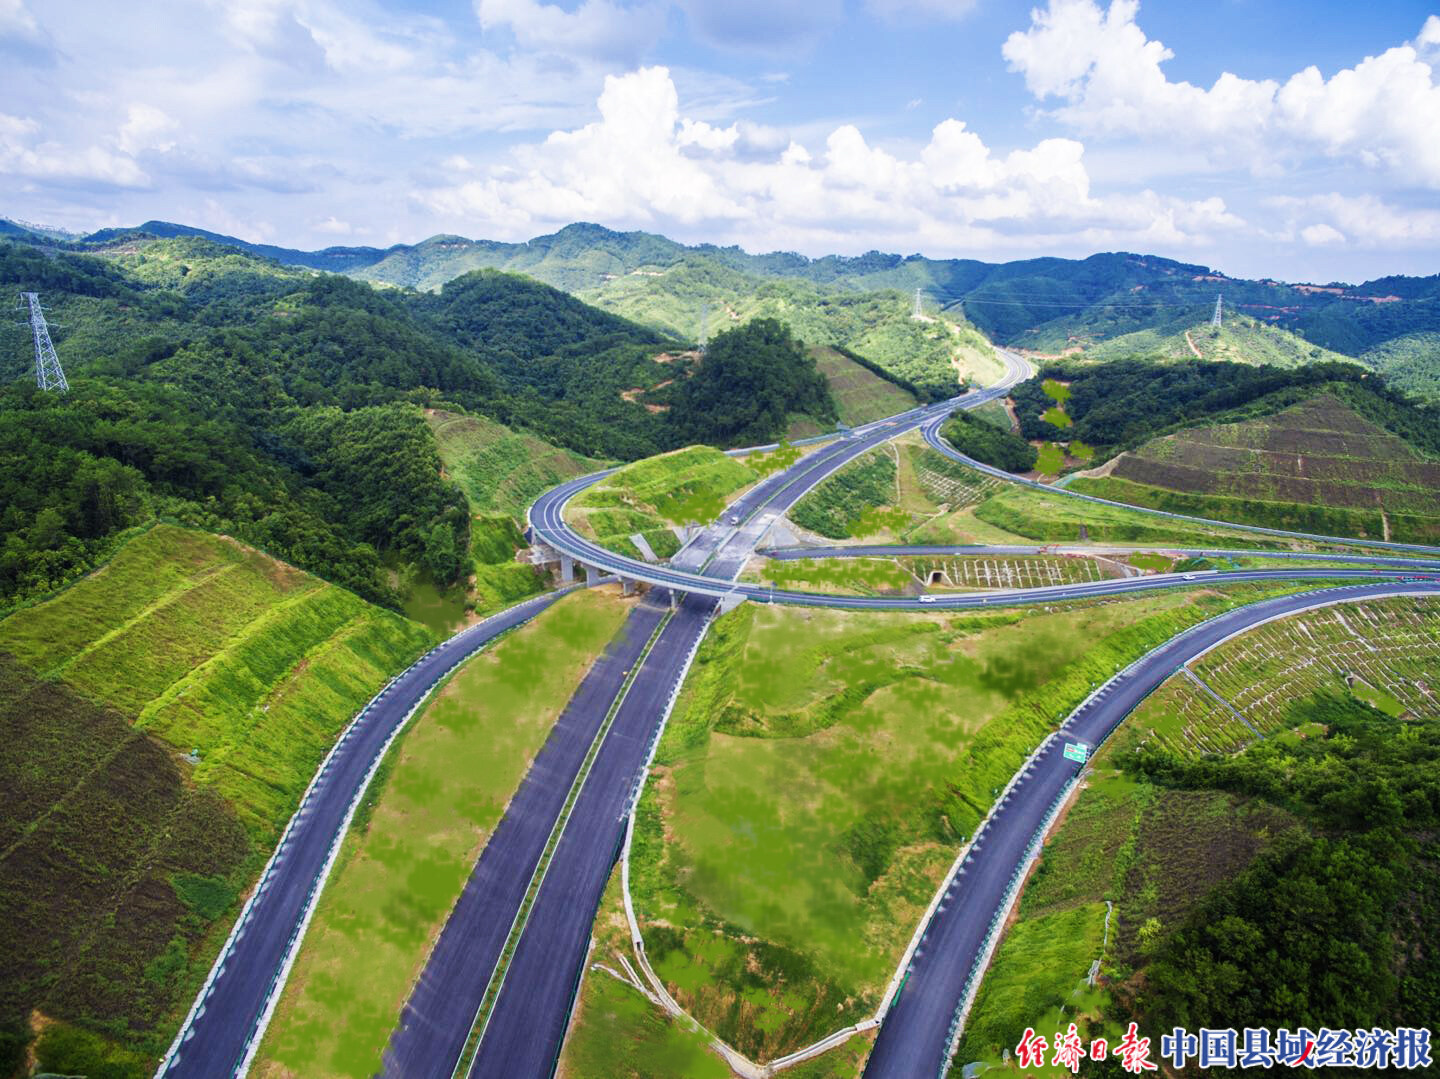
928	599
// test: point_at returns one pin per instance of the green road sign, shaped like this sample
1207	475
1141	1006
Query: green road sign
1076	751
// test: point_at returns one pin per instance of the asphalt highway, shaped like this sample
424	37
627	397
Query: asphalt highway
914	1039
436	1020
227	1018
898	550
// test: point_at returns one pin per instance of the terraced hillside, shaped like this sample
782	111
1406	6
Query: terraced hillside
650	497
162	718
1384	653
1317	466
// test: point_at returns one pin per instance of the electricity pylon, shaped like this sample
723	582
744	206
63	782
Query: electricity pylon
704	327
1215	318
917	313
48	373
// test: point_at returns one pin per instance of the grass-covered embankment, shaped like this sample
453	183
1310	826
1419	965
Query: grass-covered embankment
122	858
819	772
689	486
440	794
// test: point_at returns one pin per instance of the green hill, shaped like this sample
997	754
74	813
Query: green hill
688	486
1239	339
1317	466
122	852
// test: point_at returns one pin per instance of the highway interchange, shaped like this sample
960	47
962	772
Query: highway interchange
601	743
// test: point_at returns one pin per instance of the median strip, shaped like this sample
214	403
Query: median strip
537	876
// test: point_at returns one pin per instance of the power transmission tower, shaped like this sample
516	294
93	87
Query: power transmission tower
1219	303
917	313
704	327
48	373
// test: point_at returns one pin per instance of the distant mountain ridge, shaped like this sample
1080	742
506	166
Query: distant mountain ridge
1043	303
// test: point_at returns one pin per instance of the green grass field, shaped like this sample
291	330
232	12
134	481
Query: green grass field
912	494
444	788
889	576
121	858
688	486
817	776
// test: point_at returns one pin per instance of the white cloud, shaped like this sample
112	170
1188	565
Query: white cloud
645	165
25	153
1358	221
145	129
1321	234
598	28
1384	112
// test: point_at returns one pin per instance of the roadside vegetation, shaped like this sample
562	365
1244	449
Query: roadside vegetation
987	443
655	496
1234	859
909	493
163	715
440	793
861	393
820	770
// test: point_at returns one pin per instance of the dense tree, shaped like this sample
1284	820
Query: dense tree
986	442
751	379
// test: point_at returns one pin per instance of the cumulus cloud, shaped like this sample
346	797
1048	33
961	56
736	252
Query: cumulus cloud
643	164
26	153
1107	74
1356	221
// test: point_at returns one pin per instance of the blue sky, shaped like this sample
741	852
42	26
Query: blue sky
1295	140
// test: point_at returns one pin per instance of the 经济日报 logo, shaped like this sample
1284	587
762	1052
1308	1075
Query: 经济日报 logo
1251	1047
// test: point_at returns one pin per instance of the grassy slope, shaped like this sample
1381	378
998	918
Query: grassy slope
500	469
682	487
924	497
817	775
128	853
1317	466
1240	339
1153	853
444	789
860	395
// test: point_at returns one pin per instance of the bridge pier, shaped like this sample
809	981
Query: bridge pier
627	586
592	575
674	600
567	569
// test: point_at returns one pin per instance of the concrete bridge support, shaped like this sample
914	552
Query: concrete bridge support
627	586
592	575
567	569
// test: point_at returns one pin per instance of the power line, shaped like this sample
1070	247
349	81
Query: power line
48	373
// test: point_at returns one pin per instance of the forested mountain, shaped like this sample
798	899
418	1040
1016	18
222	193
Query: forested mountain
216	388
1044	303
